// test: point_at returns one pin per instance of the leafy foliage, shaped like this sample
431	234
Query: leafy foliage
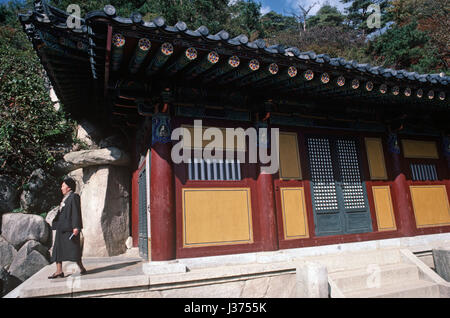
359	11
326	16
29	126
273	23
212	14
431	17
404	47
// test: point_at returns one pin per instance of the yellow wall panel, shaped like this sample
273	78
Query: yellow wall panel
290	167
431	207
375	156
419	149
383	208
216	216
295	221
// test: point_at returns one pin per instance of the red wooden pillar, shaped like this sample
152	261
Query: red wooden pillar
162	201
407	224
265	191
268	221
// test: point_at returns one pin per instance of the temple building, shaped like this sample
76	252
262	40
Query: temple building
364	151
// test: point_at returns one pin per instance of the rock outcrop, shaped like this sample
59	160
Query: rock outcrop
104	193
18	228
103	182
23	248
40	193
7	282
7	253
9	196
31	257
95	157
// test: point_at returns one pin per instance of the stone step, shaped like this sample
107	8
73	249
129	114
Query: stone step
373	275
358	260
409	289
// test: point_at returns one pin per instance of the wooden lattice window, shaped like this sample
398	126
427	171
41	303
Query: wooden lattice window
352	188
214	169
324	186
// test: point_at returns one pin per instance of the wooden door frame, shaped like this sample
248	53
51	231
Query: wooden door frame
314	240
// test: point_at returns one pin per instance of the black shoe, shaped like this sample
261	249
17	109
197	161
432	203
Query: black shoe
60	275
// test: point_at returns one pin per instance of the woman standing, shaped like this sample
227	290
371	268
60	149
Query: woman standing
68	225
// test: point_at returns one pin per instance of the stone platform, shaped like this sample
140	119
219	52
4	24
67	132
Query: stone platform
303	272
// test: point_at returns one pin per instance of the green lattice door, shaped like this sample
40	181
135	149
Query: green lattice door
338	191
143	229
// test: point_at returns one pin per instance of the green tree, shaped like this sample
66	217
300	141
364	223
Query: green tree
274	23
326	16
358	13
405	47
195	13
245	18
9	11
431	18
29	125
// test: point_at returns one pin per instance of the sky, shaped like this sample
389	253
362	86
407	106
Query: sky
285	7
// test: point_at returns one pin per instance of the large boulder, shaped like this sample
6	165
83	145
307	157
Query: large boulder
7	282
113	141
30	259
441	257
104	193
17	228
40	193
89	133
95	157
9	196
7	253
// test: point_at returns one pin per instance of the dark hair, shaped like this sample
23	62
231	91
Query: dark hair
70	183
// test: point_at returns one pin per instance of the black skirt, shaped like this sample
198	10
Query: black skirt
65	249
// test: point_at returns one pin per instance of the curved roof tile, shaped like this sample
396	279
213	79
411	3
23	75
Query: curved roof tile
45	13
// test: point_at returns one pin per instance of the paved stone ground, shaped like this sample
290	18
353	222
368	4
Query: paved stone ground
105	268
127	271
101	268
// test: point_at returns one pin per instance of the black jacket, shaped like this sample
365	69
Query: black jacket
66	246
70	215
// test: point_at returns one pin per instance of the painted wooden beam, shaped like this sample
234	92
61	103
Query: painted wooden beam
295	83
189	55
53	40
252	66
268	71
160	58
231	64
142	49
208	61
118	41
355	87
281	77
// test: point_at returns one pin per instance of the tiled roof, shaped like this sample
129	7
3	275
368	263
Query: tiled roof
91	42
